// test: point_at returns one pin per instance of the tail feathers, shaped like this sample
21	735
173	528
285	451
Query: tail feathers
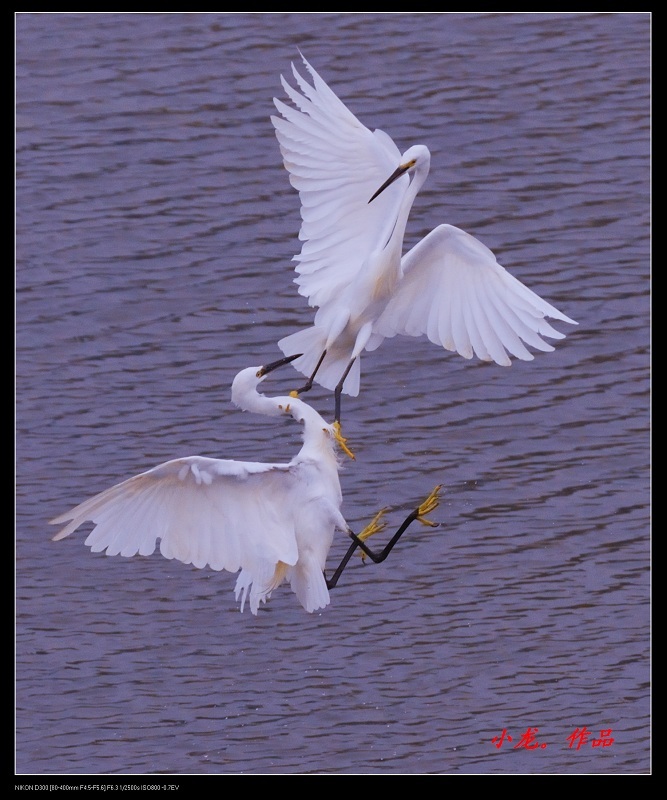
307	582
259	583
311	342
309	585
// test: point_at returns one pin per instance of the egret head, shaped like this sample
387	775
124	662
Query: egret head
244	386
415	157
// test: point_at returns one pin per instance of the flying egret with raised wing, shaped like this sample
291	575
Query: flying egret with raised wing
356	191
274	522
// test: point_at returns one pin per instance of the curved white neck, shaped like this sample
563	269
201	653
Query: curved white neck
395	243
317	433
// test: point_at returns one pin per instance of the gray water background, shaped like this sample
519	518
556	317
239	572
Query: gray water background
155	229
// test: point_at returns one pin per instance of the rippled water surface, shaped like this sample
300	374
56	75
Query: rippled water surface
154	235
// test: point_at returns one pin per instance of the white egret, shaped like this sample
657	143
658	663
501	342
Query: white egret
274	522
351	266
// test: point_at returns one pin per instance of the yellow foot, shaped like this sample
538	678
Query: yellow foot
342	441
430	504
376	525
294	393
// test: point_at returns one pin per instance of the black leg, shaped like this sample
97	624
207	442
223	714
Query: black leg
339	390
342	441
428	505
308	385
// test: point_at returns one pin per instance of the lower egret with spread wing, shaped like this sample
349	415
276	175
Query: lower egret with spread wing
351	266
274	522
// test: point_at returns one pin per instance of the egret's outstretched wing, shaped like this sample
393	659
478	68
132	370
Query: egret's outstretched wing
336	164
455	292
205	511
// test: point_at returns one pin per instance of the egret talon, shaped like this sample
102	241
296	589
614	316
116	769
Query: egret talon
430	504
376	525
294	393
342	441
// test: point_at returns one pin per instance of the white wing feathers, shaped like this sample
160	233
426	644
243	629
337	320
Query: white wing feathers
453	289
227	515
204	511
336	164
455	292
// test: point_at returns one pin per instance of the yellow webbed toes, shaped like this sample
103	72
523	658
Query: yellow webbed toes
376	525
428	505
342	441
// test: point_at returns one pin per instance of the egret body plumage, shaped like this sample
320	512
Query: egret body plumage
274	522
356	191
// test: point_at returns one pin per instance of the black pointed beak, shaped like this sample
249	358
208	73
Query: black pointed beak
262	371
394	176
